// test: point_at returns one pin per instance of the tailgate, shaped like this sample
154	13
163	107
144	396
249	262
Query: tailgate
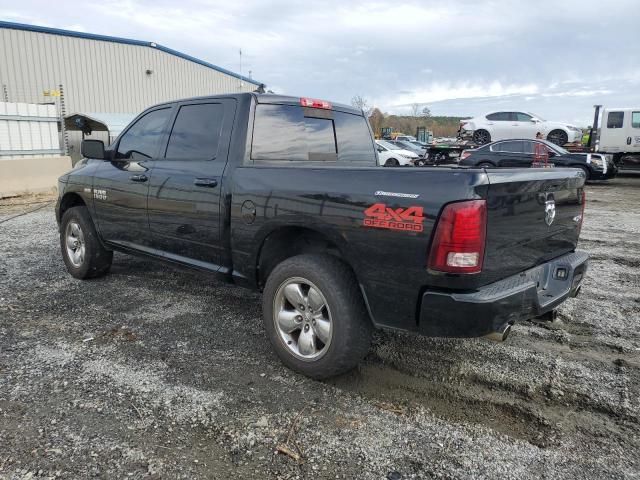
534	215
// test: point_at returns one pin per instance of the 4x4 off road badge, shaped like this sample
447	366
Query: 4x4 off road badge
408	219
549	211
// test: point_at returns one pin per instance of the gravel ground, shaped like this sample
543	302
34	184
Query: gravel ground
153	372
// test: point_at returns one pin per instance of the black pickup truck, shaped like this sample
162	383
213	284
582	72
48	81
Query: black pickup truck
285	195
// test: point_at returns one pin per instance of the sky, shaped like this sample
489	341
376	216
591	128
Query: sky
464	58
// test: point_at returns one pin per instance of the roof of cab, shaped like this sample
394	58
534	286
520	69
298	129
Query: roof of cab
265	98
291	100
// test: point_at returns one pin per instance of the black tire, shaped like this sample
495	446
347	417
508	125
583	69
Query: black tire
559	137
486	165
587	173
351	328
391	162
421	162
481	137
95	260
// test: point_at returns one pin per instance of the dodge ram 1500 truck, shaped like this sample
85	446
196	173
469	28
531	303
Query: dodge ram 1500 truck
285	195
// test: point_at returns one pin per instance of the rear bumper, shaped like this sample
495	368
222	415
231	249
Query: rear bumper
490	308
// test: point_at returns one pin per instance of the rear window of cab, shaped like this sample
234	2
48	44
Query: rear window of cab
292	133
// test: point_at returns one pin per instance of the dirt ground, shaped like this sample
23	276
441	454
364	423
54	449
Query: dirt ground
153	372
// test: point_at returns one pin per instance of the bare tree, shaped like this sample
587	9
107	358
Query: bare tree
361	103
376	119
415	110
426	112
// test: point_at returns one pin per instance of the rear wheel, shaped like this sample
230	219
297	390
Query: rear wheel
391	162
559	137
315	317
83	254
481	137
486	165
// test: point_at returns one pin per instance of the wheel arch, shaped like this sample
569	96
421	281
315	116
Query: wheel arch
483	162
291	240
288	241
69	200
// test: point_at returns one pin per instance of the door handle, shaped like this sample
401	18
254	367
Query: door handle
628	140
205	182
138	178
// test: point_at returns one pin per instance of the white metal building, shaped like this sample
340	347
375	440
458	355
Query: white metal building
81	72
100	73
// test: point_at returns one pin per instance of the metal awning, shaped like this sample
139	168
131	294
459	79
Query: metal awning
87	123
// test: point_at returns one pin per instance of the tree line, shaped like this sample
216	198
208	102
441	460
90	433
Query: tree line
441	126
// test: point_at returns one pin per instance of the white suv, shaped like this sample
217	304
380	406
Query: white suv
506	125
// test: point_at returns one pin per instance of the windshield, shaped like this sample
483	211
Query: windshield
389	145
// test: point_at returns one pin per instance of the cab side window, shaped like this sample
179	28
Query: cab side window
141	140
196	132
354	139
635	120
615	119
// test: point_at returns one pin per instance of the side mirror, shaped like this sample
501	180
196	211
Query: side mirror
93	149
552	153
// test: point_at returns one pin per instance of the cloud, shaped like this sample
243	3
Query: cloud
555	57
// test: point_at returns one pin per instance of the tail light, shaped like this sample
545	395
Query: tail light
459	239
314	103
465	154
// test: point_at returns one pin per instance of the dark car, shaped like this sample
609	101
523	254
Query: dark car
285	195
520	153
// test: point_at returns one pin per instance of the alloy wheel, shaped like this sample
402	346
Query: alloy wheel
74	240
302	318
482	137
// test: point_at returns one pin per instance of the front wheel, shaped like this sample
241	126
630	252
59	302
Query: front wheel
421	162
585	170
83	254
315	317
392	162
